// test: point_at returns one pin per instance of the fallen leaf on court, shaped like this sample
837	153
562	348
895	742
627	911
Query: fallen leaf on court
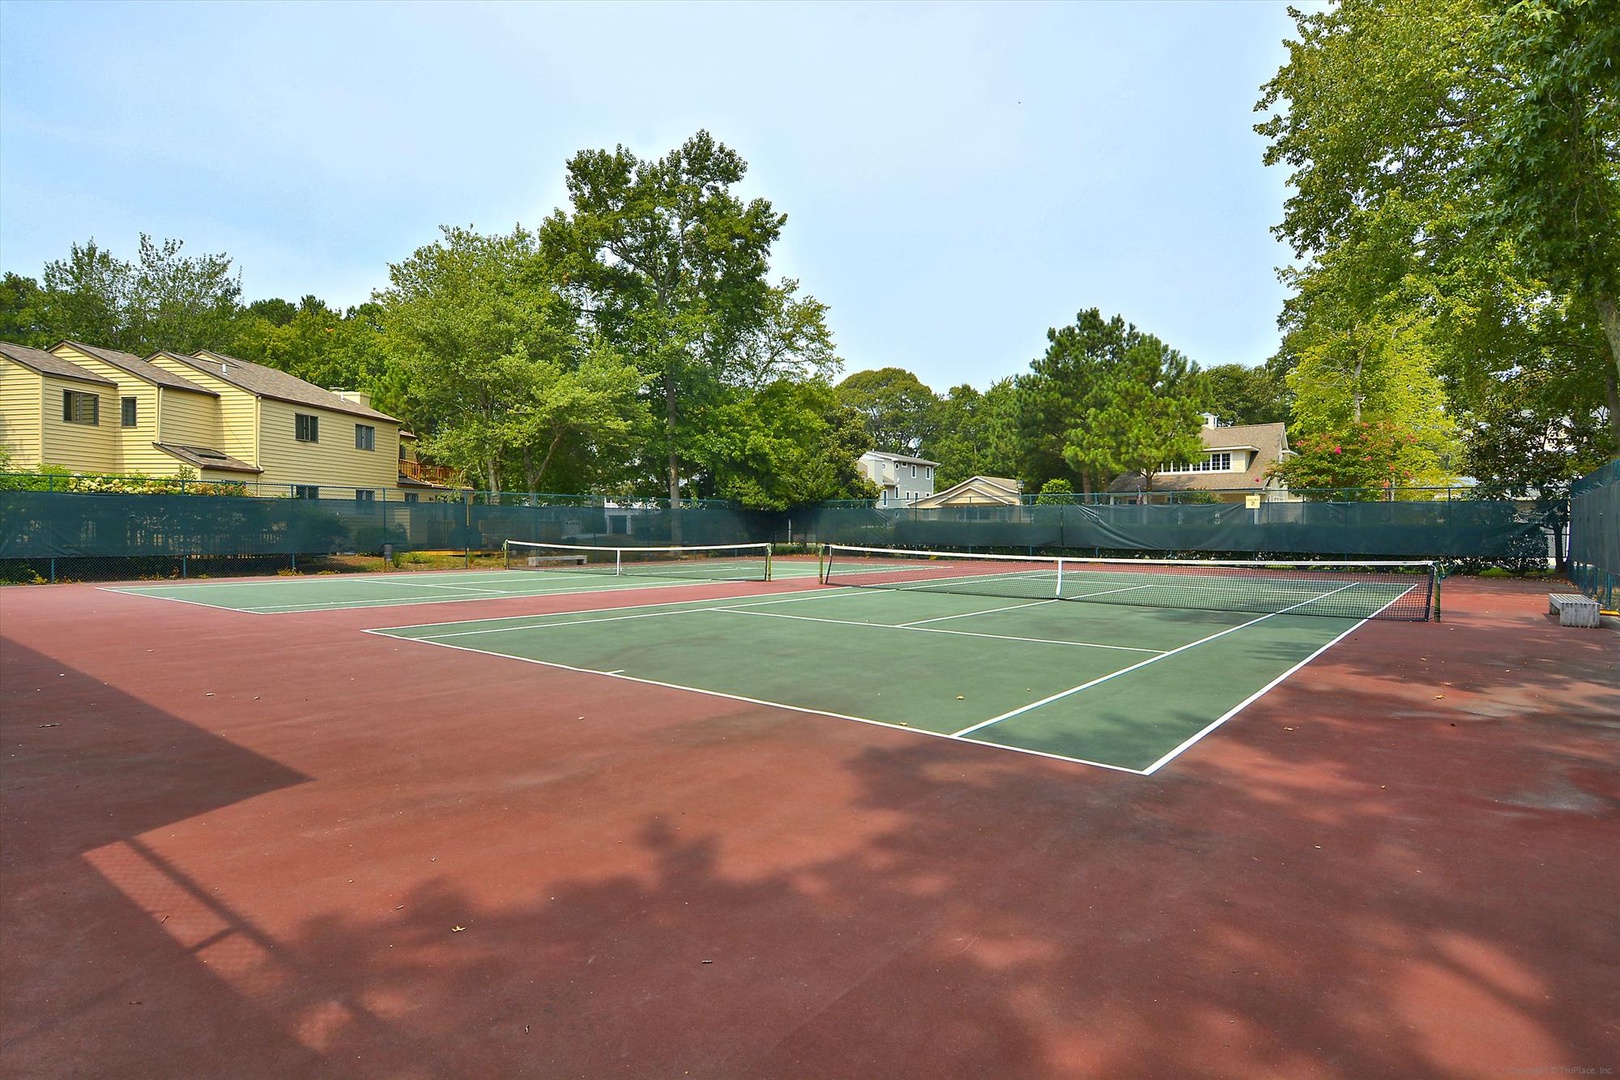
457	929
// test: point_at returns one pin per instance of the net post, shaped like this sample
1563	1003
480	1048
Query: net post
767	562
618	562
1059	593
823	563
1437	573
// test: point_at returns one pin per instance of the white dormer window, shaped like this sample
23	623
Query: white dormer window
1220	461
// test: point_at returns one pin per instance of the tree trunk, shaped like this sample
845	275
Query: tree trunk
1609	315
674	461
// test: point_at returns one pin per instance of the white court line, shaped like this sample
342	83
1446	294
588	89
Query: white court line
889	724
426	585
1110	592
933	630
987	611
1188	743
400	601
1137	665
683	606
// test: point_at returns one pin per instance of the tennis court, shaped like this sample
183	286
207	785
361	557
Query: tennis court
1122	688
563	570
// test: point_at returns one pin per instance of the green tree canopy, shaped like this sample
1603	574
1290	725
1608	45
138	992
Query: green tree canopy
975	434
1104	399
493	365
788	444
1472	140
1239	394
670	265
897	409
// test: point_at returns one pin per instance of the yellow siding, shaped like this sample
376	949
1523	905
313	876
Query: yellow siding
190	420
22	392
134	452
236	411
80	447
331	462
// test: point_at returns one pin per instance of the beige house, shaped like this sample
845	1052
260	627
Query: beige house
97	410
295	432
1235	463
976	491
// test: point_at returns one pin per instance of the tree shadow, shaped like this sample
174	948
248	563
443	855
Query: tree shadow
1338	884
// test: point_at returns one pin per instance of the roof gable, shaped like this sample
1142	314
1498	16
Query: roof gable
44	363
976	489
130	364
898	458
268	382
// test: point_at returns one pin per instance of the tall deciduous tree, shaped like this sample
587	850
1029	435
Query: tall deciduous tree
789	444
489	350
20	313
1495	127
975	434
897	409
165	300
1239	394
181	302
86	297
670	265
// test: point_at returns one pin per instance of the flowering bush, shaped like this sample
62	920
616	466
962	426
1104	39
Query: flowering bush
55	478
1365	457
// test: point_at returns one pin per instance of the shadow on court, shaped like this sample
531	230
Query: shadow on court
649	883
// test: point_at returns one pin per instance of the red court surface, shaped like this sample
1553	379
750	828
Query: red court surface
267	846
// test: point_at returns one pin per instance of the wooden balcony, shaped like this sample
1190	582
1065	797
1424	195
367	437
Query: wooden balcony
424	473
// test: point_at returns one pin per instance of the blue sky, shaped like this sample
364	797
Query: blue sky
957	178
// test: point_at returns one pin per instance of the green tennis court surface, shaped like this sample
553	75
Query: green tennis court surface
1118	687
336	592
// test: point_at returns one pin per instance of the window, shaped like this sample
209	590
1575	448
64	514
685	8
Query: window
914	472
1221	462
365	437
80	408
413	497
364	495
306	428
306	491
126	412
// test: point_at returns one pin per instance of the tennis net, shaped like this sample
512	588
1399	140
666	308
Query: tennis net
1346	590
727	562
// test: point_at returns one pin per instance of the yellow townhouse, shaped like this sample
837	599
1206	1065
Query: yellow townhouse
54	412
296	433
98	410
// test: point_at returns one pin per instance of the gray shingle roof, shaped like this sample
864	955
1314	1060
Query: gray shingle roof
50	364
1269	440
203	457
270	383
137	367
